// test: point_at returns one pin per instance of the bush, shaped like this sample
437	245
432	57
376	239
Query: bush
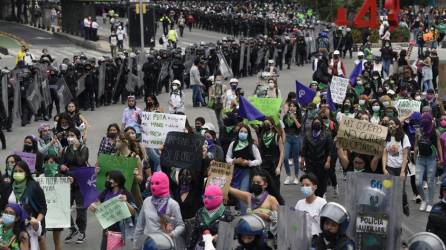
357	36
400	34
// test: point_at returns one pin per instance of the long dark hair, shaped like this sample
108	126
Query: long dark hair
156	104
114	125
250	140
270	188
76	111
24	166
34	141
399	133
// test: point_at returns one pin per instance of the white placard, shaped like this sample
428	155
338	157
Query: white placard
155	127
57	195
338	89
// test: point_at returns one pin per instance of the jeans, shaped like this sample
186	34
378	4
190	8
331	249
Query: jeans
427	85
197	95
155	158
386	66
428	165
292	146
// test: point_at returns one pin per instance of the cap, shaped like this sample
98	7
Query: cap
360	53
336	52
270	61
177	82
233	80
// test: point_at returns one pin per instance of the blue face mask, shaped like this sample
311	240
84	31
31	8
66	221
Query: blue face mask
8	219
243	136
210	142
307	191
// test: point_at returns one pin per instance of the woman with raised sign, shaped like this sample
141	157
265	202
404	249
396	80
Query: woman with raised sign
245	155
293	126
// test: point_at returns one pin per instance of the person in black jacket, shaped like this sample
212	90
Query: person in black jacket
436	222
30	146
6	188
348	43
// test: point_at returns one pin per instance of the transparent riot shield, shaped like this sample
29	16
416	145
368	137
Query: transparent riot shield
226	233
375	205
63	92
41	80
132	82
293	230
242	55
80	85
33	96
140	74
5	91
118	78
260	55
223	66
15	83
101	80
248	59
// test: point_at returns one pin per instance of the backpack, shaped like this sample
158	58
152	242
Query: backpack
425	144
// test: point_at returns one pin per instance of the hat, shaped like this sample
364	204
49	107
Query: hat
131	97
270	61
391	92
42	127
360	53
233	80
336	52
177	82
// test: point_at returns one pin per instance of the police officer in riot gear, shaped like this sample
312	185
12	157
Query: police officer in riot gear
159	241
91	83
426	241
25	79
251	233
110	78
52	81
178	67
334	220
436	222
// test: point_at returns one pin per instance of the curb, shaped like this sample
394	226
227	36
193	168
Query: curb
81	42
20	40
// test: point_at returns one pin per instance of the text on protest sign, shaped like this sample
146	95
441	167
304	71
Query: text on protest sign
182	150
406	107
57	195
155	127
361	136
338	89
112	211
221	176
29	158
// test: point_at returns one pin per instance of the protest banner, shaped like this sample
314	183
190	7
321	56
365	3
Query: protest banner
57	195
112	211
267	106
361	136
155	127
182	150
114	162
221	176
406	107
85	177
338	89
29	158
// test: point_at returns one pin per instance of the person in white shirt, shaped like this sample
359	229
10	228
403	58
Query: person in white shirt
311	204
94	30
396	152
230	94
87	24
28	58
120	33
176	101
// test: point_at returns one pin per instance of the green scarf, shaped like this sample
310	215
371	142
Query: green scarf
441	130
241	145
51	169
6	237
288	120
229	129
267	138
19	189
210	216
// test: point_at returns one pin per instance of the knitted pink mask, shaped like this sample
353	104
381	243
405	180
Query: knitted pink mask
213	197
159	184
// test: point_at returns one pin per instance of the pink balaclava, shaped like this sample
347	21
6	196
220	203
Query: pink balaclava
213	197
159	184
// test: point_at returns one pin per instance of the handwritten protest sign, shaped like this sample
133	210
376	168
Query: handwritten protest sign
112	211
155	127
57	195
361	136
221	176
338	89
406	107
267	106
113	162
29	158
182	150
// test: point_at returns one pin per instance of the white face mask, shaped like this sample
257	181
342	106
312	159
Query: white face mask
271	85
361	102
174	87
418	98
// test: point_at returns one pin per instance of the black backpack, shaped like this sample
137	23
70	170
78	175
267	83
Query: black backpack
425	144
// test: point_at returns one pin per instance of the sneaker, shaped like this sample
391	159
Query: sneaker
287	180
81	238
438	180
71	236
428	208
425	185
296	181
423	206
418	199
335	190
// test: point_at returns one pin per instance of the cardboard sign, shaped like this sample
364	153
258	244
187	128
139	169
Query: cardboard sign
221	176
155	127
113	162
112	211
338	89
182	150
361	136
406	107
29	158
57	195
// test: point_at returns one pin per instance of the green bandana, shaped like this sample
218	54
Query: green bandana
210	216
51	169
7	238
241	145
19	189
288	120
267	138
229	129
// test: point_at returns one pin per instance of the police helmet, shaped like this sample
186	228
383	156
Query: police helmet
426	241
159	241
337	213
250	225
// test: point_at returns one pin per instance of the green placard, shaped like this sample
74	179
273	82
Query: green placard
112	211
113	162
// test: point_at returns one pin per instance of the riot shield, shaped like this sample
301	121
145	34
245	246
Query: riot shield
242	55
101	80
5	92
118	78
80	85
140	74
132	82
17	109
248	59
42	81
260	55
293	55
164	72
33	96
223	66
375	206
225	236
293	230
63	92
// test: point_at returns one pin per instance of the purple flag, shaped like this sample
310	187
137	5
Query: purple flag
330	102
85	177
248	111
305	95
355	73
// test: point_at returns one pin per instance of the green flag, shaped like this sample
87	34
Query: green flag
268	106
113	162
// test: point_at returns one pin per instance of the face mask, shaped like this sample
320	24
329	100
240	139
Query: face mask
71	140
185	180
361	102
149	104
243	136
174	87
389	114
19	177
256	189
429	97
108	184
386	104
307	191
359	83
65	127
210	142
329	236
418	98
112	135
317	126
27	147
197	128
443	123
376	77
376	109
233	86
8	219
347	107
271	85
